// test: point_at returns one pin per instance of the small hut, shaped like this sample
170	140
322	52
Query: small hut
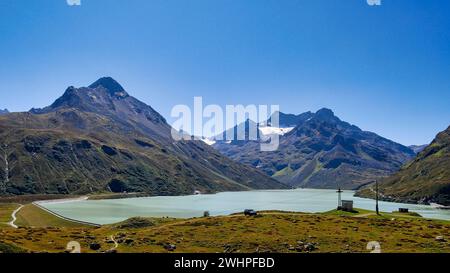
347	205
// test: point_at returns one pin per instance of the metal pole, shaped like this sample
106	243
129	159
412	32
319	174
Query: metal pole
339	199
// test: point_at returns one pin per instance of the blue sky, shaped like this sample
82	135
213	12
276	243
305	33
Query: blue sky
385	69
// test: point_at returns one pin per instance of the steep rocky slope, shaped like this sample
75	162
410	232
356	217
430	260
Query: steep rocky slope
99	138
322	151
426	179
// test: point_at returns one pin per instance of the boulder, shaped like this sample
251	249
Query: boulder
95	246
170	247
309	247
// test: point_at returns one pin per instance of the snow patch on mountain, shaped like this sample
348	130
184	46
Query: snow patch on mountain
275	130
208	141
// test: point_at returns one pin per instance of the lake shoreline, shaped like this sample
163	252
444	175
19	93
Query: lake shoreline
51	198
107	211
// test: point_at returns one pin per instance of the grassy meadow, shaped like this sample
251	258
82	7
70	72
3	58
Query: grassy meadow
270	231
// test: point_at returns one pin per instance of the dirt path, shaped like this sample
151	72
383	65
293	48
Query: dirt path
14	218
116	245
365	215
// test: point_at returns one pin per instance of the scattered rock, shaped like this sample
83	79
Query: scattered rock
310	247
305	246
170	247
95	246
440	239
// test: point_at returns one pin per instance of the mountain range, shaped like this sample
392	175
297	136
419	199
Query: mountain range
318	150
99	138
426	179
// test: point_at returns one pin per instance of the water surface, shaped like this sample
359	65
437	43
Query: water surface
302	200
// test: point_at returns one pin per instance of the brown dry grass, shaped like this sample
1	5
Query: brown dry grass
272	232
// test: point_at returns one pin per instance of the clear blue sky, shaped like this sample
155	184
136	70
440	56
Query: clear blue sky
385	69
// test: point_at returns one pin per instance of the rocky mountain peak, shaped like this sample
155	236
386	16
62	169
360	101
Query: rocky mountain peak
112	86
322	151
100	96
325	114
291	120
93	139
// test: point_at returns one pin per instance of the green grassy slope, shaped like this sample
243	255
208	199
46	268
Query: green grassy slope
33	216
269	232
92	140
425	179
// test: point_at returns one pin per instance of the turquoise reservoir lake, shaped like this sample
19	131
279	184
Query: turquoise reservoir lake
301	200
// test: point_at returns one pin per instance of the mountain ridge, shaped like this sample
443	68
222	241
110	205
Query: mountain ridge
99	138
322	151
426	179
